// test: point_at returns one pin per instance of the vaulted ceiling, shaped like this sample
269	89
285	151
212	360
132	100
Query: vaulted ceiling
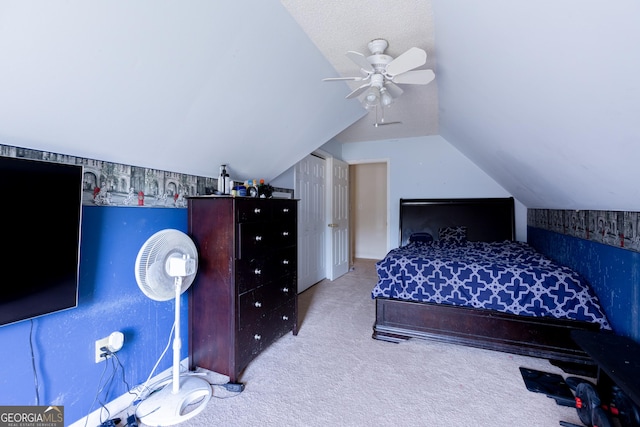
336	27
177	86
543	96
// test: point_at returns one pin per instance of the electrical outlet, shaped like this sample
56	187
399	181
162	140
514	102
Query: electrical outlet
104	342
113	342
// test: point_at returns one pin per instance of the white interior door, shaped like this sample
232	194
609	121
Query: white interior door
338	218
310	188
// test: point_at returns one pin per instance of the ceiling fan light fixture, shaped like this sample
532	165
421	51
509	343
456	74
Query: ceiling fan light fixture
372	97
385	99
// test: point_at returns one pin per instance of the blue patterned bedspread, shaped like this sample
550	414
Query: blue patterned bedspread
506	276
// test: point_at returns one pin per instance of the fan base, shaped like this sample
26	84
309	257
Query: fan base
164	408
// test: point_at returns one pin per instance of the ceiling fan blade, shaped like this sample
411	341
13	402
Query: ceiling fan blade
416	77
360	60
393	90
413	58
358	91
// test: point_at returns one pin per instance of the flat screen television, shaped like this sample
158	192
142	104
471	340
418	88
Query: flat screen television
41	211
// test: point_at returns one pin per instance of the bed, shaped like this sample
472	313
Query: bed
459	276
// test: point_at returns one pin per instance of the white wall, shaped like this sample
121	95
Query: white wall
423	167
284	180
427	167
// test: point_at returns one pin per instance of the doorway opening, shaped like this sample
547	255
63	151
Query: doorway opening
368	217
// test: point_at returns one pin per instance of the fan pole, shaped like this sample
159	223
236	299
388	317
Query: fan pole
187	396
160	255
177	341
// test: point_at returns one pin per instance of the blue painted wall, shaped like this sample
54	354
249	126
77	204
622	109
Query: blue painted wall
613	272
109	300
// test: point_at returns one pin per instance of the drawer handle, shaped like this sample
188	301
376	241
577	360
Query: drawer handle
285	233
257	271
256	211
257	337
258	304
285	261
285	290
258	238
285	317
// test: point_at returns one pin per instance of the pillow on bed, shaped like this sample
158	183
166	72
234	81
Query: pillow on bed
453	235
420	237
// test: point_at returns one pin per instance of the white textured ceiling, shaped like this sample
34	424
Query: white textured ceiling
336	27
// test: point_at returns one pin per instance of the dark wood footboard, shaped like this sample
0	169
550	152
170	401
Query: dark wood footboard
547	338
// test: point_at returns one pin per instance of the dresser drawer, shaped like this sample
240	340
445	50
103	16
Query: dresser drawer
254	239
285	261
250	343
255	272
260	301
284	234
285	211
283	319
258	239
252	273
252	210
254	337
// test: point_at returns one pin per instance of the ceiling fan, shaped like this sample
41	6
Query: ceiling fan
382	73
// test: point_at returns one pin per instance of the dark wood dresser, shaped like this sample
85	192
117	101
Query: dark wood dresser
244	295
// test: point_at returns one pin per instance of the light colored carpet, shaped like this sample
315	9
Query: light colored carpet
334	374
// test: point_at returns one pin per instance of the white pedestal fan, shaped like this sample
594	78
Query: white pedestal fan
165	267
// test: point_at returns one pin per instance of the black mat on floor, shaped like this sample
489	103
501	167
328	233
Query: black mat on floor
552	385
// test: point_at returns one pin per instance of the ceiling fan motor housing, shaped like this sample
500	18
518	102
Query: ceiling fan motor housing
378	59
379	62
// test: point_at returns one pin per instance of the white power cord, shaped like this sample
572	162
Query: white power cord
143	390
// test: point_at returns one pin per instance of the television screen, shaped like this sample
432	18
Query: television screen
41	211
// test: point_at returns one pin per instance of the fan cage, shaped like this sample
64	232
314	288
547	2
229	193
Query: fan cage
152	261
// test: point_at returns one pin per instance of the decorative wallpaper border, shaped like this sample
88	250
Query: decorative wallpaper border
115	184
613	228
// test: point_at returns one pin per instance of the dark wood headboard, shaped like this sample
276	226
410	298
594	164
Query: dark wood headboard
487	220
